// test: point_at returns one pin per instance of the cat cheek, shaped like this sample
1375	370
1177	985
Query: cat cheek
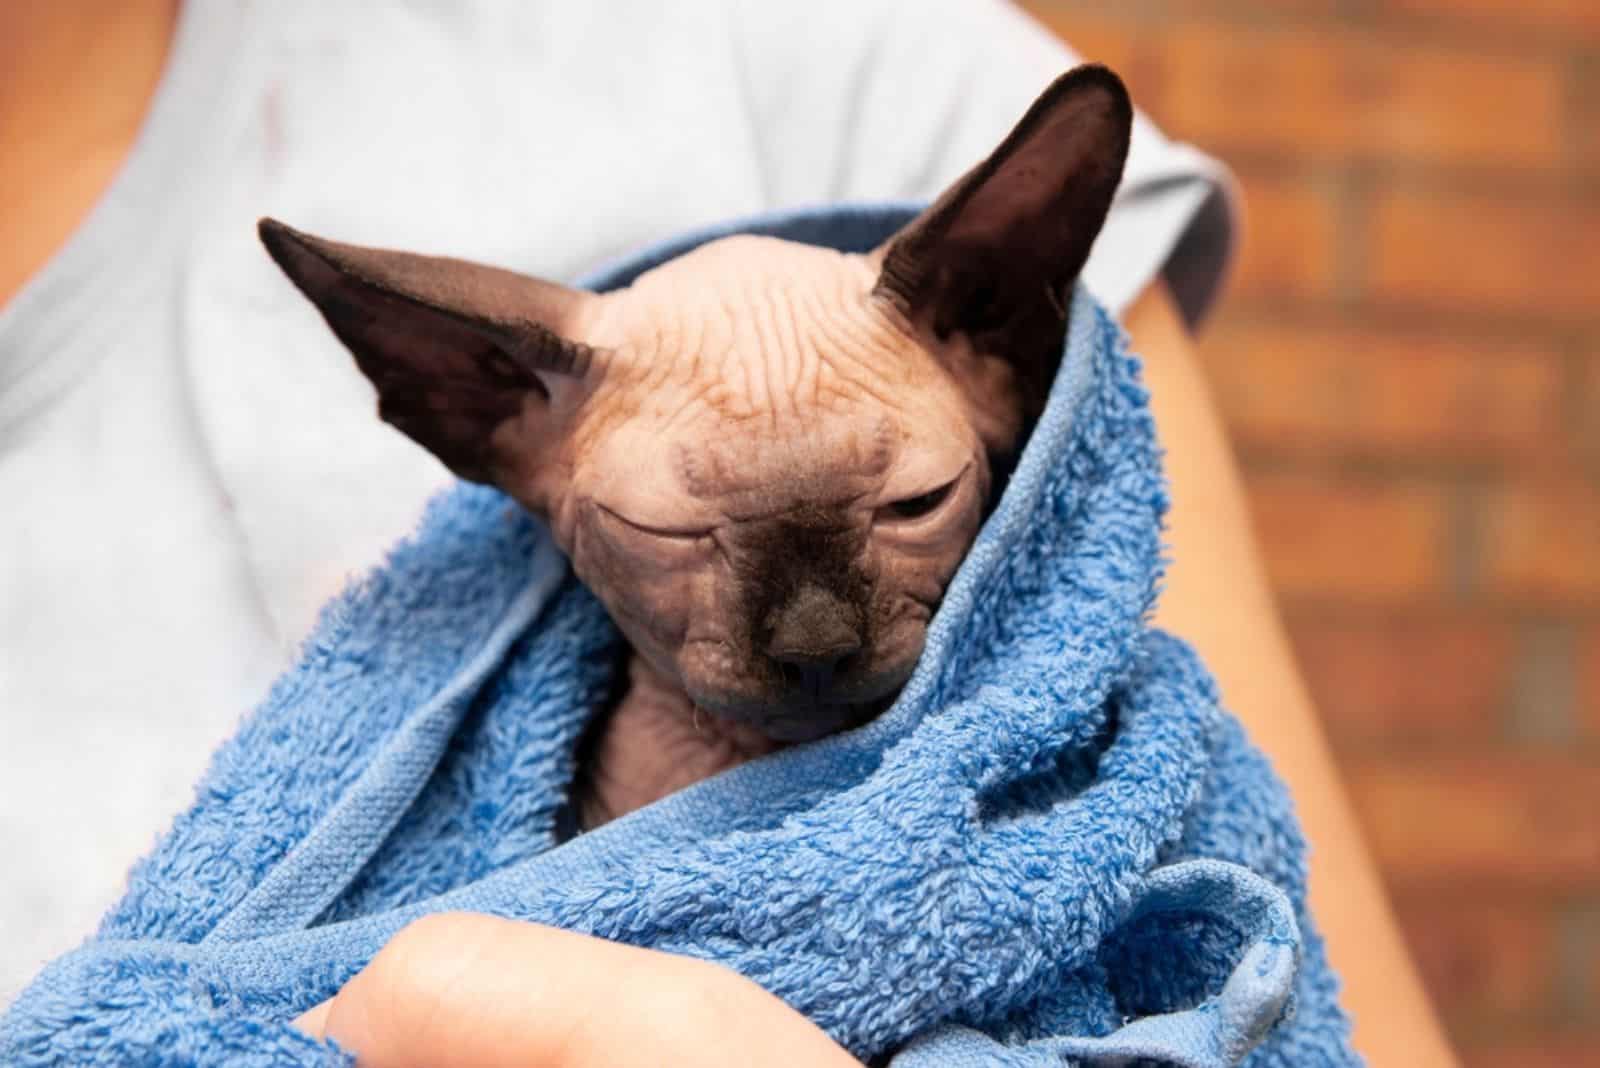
646	595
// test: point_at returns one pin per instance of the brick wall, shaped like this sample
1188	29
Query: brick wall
1409	361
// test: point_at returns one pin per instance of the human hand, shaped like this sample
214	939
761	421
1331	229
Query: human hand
475	991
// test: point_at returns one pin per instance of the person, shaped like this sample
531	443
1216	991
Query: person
192	469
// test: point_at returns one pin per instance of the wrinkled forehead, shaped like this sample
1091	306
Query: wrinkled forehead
757	313
754	466
753	373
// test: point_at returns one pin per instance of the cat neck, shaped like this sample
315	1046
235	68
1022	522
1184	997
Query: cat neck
654	742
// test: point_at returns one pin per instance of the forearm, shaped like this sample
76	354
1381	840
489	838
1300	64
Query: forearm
1217	598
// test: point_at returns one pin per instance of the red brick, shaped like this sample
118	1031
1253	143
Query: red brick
1382	680
1459	107
1589	695
1585	123
1587	392
1541	540
1334	94
1470	822
1482	254
1581	17
1483	961
1290	239
1588	1000
1589	996
1577	1051
1396	393
1360	540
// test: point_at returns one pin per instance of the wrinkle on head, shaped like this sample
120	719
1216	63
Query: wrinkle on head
776	326
834	457
762	400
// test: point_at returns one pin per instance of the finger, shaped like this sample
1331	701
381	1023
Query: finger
314	1021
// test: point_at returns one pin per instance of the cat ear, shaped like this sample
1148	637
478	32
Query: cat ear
456	350
996	256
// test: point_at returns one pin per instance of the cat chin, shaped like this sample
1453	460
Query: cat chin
791	718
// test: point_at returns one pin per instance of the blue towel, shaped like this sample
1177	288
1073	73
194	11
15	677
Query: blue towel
1053	849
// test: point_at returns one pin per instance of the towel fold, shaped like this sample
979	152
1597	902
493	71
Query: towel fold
1054	848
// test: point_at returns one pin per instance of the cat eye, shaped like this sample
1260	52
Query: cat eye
920	505
663	534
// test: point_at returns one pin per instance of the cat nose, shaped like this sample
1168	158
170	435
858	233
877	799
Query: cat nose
813	632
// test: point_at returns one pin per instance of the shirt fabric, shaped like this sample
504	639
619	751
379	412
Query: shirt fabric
190	464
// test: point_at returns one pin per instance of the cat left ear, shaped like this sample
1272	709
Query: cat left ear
465	357
996	256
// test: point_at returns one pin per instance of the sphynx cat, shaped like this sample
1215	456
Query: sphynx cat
766	459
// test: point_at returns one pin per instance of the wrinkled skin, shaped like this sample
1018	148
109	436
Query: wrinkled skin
745	519
766	459
746	522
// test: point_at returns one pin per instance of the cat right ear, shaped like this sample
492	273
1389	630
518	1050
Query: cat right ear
465	357
994	259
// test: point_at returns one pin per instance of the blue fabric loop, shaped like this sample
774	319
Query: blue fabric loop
1217	1033
1258	992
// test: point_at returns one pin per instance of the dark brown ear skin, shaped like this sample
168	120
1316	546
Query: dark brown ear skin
996	256
455	349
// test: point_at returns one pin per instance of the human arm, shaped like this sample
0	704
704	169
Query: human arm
476	991
1215	563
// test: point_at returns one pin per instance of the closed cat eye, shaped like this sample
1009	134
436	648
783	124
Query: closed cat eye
921	504
660	533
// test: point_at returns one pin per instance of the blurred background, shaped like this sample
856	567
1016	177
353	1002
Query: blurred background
1409	361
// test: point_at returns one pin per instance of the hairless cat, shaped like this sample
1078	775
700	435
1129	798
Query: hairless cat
765	458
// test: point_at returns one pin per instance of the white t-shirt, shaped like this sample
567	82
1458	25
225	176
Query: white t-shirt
190	464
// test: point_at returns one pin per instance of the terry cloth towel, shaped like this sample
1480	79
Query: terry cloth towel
1053	849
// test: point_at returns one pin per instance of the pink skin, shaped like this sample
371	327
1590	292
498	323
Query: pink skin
766	459
749	381
799	390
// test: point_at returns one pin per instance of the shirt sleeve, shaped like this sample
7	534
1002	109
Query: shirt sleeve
884	99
